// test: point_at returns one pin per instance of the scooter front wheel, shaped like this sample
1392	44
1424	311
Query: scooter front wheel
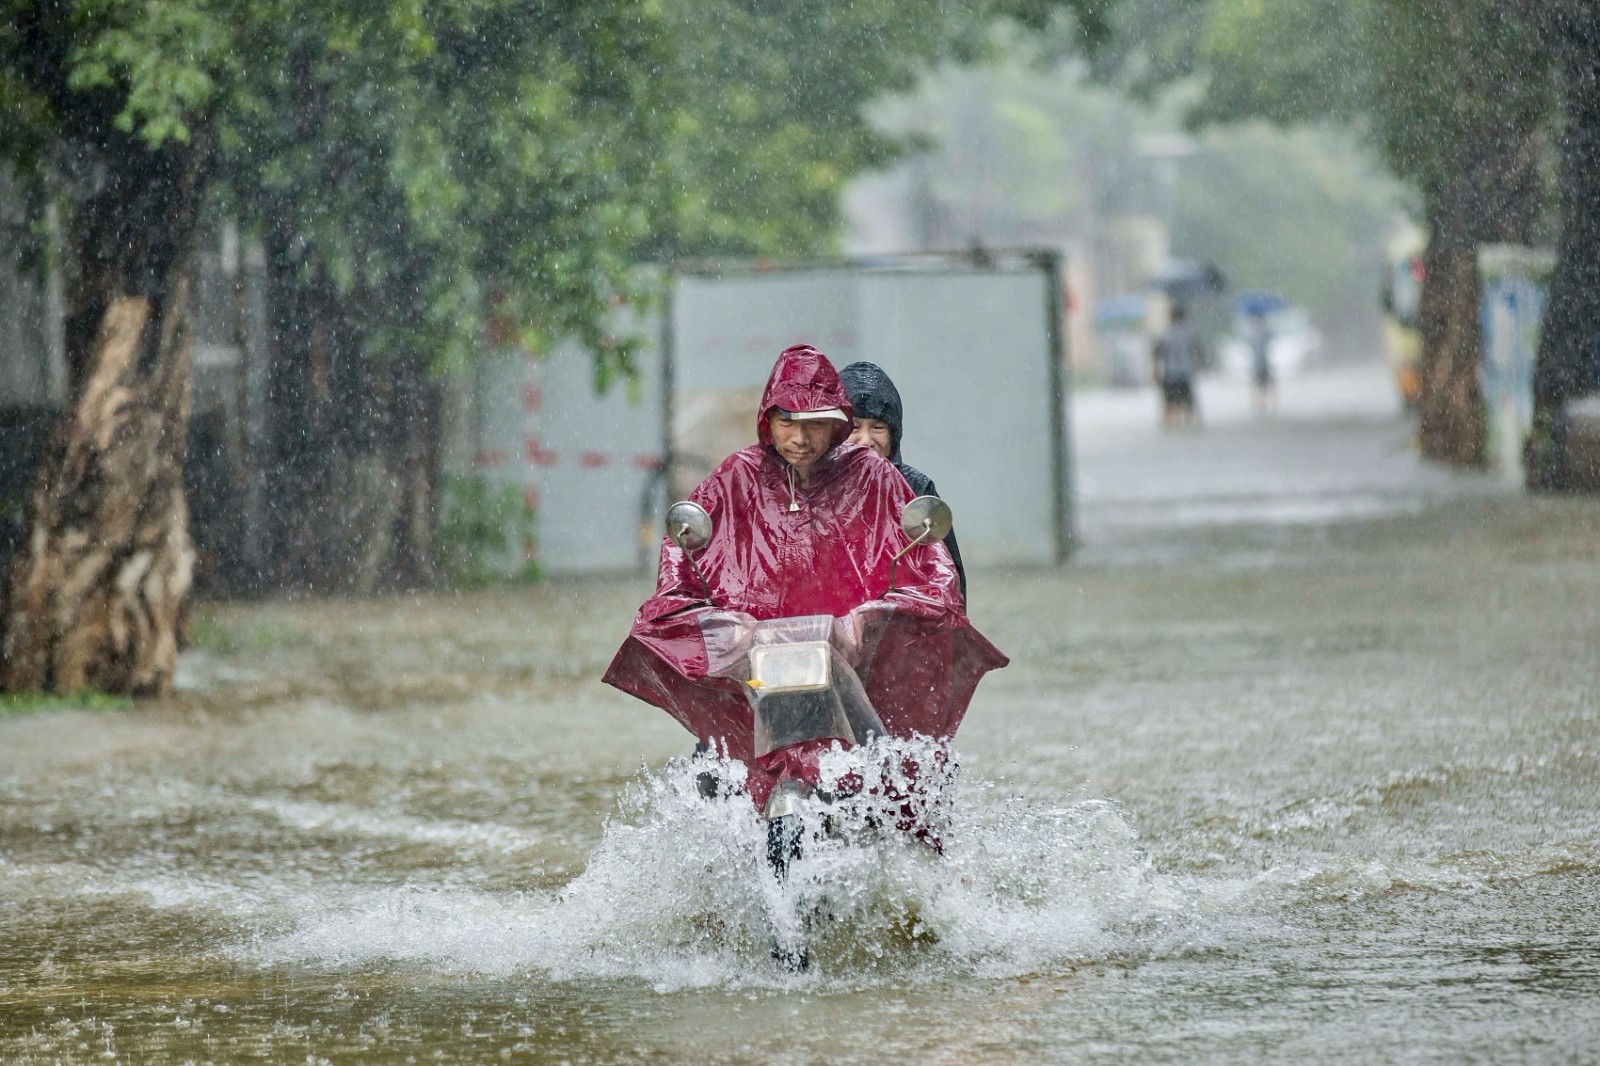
783	843
784	836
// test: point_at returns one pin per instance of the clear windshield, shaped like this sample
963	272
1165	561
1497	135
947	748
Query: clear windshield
802	688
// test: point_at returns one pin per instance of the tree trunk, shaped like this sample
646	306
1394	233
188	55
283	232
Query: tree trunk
1491	195
97	590
420	407
1451	408
1565	366
353	440
299	444
354	447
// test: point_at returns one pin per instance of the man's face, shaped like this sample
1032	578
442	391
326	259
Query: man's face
800	441
874	434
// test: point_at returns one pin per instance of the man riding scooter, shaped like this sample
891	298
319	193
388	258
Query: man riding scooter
803	525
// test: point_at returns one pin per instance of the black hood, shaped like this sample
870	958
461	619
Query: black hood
873	395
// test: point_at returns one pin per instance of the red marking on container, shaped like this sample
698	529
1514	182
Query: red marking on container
532	398
537	454
530	497
645	461
593	460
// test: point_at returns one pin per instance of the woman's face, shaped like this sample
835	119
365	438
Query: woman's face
875	434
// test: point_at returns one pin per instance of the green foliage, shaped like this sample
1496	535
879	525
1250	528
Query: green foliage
90	70
490	160
767	122
519	158
771	119
1023	150
432	161
484	525
224	638
1150	45
439	164
1299	211
1421	76
1290	61
161	58
21	703
1445	72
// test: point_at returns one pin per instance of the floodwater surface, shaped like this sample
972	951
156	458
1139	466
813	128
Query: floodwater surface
1300	765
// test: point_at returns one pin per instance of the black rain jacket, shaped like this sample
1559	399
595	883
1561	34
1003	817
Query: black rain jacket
873	395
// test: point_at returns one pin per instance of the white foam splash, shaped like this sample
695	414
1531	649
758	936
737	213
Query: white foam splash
354	821
678	893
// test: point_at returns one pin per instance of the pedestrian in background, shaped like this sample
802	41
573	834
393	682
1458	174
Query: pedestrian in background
1177	356
1259	338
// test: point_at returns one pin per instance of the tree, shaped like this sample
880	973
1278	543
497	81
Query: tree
1460	102
500	168
415	170
109	104
133	114
516	172
1566	366
771	124
1455	96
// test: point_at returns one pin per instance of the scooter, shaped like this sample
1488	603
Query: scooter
802	678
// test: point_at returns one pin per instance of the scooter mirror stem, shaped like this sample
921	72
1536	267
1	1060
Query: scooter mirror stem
705	586
927	528
680	537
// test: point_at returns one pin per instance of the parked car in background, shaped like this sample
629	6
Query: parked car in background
1401	302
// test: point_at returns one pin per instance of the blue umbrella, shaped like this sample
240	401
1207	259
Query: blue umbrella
1259	302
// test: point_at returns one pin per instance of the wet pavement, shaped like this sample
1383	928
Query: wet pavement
1297	761
1336	447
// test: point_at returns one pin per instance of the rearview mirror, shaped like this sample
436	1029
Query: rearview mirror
689	526
926	518
690	529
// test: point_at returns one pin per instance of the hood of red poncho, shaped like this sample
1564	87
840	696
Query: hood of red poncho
803	380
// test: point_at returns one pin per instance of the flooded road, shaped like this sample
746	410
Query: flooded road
1297	762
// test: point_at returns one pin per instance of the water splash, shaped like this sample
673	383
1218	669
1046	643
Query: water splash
678	892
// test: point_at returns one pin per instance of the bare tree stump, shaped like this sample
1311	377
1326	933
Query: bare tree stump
97	590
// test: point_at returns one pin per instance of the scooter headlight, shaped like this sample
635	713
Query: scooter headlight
804	667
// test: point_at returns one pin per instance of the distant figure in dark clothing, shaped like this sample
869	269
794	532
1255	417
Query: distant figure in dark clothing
879	423
1259	336
1177	357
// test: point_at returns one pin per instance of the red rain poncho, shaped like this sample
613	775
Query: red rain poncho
778	550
